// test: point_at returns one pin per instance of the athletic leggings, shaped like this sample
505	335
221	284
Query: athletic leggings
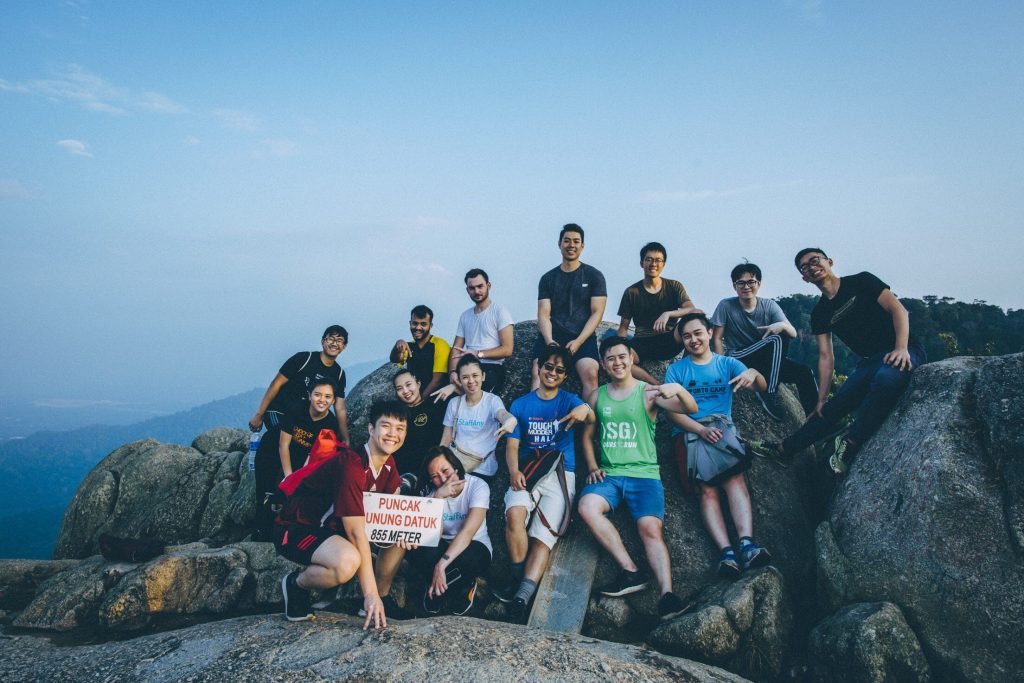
768	356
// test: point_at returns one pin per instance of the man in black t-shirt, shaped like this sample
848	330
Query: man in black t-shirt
570	303
426	355
422	431
868	318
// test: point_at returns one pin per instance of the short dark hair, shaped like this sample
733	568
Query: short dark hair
653	246
447	454
468	359
388	407
803	252
609	342
474	272
745	268
325	382
335	330
571	227
422	311
693	316
403	371
560	352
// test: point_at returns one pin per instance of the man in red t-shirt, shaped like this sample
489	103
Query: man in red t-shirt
322	524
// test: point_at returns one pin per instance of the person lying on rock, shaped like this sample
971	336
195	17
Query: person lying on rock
654	304
628	470
425	355
546	418
757	332
322	524
299	428
426	424
864	313
570	304
707	443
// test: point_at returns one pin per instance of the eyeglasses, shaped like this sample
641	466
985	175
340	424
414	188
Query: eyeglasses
340	341
810	263
745	283
557	369
654	261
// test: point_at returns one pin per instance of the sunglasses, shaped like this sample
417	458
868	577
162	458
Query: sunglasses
557	369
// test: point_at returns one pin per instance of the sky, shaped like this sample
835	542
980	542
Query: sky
191	191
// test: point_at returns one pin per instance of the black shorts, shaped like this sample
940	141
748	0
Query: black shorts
587	350
658	347
298	543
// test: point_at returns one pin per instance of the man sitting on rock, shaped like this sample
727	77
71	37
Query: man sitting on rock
546	420
426	355
868	318
570	303
486	331
626	410
756	331
653	304
322	524
707	442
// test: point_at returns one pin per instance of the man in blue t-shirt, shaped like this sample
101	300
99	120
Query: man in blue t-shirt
546	420
708	443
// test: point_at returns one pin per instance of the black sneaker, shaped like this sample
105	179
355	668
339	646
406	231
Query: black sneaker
670	606
506	593
461	600
432	605
624	584
517	612
772	404
753	555
728	565
296	599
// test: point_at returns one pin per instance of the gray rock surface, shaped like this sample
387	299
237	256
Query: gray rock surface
268	648
191	579
177	494
743	626
867	643
928	518
19	579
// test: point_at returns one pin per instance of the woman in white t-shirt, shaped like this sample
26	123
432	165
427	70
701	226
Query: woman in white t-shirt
464	552
475	421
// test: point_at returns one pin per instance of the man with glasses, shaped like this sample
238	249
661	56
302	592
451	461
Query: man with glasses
289	393
654	304
546	418
570	304
868	318
756	331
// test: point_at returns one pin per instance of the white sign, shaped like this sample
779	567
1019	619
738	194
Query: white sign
390	519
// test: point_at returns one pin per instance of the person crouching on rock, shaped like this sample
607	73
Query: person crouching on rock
426	424
322	524
708	443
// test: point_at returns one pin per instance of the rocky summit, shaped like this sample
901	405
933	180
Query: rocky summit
909	568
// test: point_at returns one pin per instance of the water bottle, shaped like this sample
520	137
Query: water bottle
254	444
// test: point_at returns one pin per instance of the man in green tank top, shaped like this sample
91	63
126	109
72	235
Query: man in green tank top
628	471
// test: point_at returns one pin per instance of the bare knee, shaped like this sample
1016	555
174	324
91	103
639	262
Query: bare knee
515	517
592	508
709	494
649	528
346	566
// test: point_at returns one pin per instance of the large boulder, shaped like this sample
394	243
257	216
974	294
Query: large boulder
743	626
268	648
174	493
929	518
192	579
19	579
867	643
781	517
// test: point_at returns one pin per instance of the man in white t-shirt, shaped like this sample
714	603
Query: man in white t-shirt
485	330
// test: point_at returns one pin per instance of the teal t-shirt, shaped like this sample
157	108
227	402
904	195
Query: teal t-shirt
627	435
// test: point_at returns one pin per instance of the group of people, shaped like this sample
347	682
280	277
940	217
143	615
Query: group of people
439	435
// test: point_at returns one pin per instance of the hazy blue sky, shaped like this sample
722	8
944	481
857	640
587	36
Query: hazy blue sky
191	191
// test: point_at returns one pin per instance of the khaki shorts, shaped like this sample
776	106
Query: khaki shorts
547	495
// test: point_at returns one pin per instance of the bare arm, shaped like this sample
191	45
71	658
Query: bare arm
342	414
899	357
623	327
826	364
516	479
355	530
399	352
269	395
672	398
458	348
284	452
597	304
717	337
595	473
506	336
661	324
544	320
446	436
435	383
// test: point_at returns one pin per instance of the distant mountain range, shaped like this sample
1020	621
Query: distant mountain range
42	471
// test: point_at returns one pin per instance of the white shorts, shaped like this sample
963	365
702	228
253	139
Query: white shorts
548	496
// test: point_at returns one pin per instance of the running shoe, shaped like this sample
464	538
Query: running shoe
625	583
728	565
670	606
752	554
462	600
296	599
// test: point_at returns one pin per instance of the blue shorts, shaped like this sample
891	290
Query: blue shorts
644	497
587	350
